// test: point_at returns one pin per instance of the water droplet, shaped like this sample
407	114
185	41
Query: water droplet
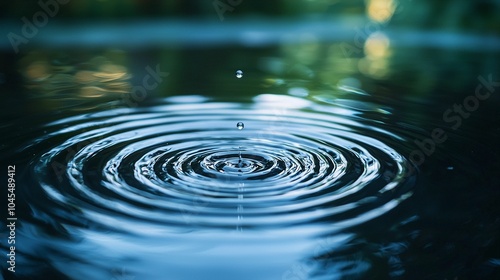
239	74
240	125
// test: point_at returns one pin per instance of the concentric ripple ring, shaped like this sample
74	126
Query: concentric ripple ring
184	162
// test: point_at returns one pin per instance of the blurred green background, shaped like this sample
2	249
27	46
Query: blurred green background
97	51
462	15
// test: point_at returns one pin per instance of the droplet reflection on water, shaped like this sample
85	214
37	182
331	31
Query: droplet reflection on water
239	74
240	125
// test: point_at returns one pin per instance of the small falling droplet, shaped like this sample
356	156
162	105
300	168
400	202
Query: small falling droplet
240	125
239	74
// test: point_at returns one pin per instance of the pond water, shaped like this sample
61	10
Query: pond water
271	162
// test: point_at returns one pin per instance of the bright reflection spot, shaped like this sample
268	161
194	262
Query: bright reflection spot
380	10
352	83
70	84
187	99
38	71
298	91
377	51
92	92
377	46
84	77
282	101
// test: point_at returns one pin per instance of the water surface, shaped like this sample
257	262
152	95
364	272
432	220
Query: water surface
327	179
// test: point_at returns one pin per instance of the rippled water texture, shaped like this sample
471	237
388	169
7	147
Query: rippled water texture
178	183
272	169
150	164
